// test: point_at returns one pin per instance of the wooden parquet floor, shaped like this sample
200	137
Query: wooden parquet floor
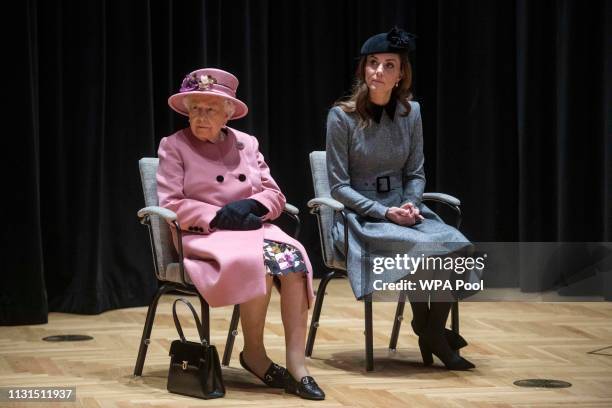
508	341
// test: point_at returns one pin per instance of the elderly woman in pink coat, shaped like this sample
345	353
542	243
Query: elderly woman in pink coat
217	182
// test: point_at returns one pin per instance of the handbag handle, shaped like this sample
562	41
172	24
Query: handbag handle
179	329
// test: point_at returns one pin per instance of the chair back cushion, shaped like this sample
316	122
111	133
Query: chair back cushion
160	230
320	181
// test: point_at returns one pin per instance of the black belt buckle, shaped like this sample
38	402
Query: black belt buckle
383	184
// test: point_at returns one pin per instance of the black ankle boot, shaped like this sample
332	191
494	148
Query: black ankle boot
454	340
433	340
435	344
306	388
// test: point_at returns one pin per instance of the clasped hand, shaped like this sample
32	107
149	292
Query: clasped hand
406	215
241	215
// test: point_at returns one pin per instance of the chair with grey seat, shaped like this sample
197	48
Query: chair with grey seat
323	206
168	263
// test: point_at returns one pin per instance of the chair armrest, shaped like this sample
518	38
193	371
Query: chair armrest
170	216
442	198
292	212
166	214
338	208
447	199
329	202
291	209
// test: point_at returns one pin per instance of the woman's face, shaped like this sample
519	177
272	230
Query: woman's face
207	116
382	72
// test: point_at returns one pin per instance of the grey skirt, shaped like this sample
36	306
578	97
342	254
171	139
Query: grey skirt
370	237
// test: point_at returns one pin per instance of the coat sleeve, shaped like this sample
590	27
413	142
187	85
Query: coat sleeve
170	176
337	146
270	195
413	174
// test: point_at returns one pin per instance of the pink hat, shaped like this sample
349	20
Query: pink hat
209	81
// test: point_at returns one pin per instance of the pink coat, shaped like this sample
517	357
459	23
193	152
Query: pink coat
195	179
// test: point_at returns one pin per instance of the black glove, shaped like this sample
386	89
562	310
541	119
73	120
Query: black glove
239	215
259	209
243	207
231	222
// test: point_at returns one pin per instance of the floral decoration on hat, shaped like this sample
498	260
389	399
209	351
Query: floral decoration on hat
193	83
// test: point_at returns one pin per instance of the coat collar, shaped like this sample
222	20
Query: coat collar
376	111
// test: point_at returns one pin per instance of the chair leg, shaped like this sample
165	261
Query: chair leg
316	313
146	333
369	347
231	336
397	322
205	317
455	319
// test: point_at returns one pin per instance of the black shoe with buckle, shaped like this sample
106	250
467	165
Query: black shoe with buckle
274	377
306	388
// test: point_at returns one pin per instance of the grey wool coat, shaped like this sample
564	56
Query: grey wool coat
357	158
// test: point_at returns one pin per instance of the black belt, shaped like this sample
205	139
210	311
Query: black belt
382	184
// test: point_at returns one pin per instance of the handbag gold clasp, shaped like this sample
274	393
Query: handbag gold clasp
184	365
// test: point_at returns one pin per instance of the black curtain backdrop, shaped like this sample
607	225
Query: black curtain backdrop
515	98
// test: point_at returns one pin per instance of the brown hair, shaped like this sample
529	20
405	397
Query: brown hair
357	101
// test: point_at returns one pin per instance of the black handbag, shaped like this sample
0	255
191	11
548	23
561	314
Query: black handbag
195	369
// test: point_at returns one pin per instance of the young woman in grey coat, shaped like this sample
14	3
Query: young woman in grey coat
376	169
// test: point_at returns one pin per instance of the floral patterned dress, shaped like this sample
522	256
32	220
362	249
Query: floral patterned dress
282	259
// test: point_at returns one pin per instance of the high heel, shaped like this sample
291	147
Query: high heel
432	344
425	353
